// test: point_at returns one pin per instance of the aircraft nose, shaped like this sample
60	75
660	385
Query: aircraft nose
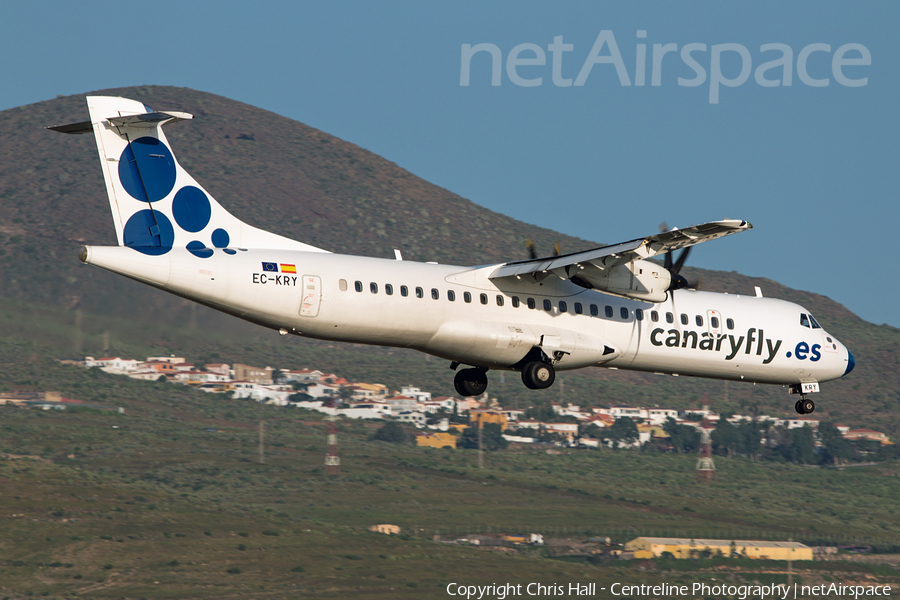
851	362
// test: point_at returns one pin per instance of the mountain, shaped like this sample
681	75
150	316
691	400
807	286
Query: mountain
300	182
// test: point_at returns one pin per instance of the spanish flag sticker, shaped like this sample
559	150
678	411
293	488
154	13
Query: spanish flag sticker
288	268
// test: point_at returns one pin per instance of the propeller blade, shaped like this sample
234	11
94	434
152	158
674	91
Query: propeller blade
556	249
532	253
679	262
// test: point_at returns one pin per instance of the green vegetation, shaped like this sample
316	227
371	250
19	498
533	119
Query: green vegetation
149	496
147	504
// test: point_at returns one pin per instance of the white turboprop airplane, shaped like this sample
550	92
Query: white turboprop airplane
608	307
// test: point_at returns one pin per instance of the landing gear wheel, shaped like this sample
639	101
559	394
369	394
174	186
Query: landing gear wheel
808	406
798	406
538	375
470	382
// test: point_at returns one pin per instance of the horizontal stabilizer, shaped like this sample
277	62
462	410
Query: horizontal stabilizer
73	128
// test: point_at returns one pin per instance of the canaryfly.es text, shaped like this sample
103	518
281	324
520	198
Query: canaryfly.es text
690	65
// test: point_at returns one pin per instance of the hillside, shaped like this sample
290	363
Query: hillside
168	500
286	177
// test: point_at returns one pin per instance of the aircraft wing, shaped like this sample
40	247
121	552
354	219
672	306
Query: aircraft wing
606	257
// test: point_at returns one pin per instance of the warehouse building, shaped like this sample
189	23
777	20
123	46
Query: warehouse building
650	547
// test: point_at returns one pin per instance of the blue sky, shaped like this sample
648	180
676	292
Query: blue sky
814	168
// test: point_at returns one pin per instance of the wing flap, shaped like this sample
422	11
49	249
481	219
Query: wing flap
606	257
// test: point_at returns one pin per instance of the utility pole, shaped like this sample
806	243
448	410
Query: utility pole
480	444
332	460
790	565
262	448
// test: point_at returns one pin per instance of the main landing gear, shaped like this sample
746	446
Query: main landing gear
804	406
536	375
470	382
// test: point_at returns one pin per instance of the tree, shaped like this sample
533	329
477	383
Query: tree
623	431
684	437
798	445
726	439
491	437
591	430
752	438
345	394
835	449
391	432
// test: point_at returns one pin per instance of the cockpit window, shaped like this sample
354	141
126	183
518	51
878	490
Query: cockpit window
815	324
804	320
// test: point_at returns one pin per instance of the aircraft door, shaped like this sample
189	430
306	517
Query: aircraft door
312	296
714	320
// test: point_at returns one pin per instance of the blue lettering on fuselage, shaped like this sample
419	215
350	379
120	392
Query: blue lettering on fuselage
803	351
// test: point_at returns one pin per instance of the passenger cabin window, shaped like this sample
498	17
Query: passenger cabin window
515	301
499	300
373	287
639	314
358	286
815	324
388	289
563	307
531	303
404	291
714	321
547	305
608	312
594	310
654	316
578	309
670	318
342	284
467	297
451	295
729	323
435	294
420	293
624	313
684	319
483	298
699	320
804	320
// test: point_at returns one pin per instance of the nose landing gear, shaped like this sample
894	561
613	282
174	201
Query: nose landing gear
804	406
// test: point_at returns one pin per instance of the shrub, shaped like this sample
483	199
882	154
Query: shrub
391	432
298	569
234	571
270	532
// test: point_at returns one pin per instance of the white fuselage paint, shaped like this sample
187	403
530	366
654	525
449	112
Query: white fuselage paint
761	347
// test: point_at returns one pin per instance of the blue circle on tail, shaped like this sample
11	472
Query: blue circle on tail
191	209
220	238
149	232
147	169
199	250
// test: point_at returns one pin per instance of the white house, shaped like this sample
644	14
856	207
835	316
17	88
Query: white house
113	364
414	392
400	404
411	416
658	416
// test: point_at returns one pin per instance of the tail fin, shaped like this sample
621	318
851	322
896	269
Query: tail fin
155	203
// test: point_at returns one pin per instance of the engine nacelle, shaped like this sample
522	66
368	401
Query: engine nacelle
639	279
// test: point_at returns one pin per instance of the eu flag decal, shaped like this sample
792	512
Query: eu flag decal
270	267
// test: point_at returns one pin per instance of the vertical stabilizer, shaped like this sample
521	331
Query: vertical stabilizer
156	205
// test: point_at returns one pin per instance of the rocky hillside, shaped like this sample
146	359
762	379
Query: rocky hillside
289	178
